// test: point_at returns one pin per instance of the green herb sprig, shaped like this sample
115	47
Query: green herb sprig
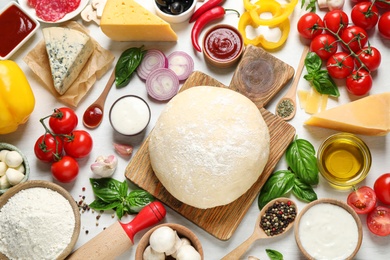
310	6
274	255
298	179
319	78
113	194
127	64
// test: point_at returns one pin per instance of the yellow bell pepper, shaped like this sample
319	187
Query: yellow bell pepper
17	100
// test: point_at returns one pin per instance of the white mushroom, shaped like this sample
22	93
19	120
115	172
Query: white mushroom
14	176
150	254
188	252
4	184
13	159
183	241
175	247
3	168
2	154
162	239
89	14
98	5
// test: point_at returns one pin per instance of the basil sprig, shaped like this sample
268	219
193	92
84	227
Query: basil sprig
298	179
127	64
319	78
274	255
113	194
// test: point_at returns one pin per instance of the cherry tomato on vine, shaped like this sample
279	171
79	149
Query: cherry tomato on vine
324	45
310	25
378	221
365	15
370	57
65	169
362	200
63	120
382	188
340	65
384	25
359	82
336	21
78	144
383	4
45	147
355	37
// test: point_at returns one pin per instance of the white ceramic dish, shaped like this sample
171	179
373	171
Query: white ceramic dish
67	17
176	18
28	36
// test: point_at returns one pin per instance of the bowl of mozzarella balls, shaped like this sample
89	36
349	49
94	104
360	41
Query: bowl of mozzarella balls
14	167
169	241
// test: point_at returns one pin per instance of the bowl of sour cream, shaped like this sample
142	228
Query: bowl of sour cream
328	229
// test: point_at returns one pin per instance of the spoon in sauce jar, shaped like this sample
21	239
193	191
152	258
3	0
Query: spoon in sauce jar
264	230
93	115
287	105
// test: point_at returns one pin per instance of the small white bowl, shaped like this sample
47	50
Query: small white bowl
170	18
12	14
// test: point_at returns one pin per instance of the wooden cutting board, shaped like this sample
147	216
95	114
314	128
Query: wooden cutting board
259	76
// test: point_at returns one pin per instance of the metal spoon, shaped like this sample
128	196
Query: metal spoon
258	233
287	105
93	115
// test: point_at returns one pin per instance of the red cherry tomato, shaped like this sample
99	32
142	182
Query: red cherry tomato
362	200
355	37
365	15
336	21
340	65
310	25
384	25
370	57
45	147
382	188
63	120
78	144
383	4
324	45
359	83
65	170
378	221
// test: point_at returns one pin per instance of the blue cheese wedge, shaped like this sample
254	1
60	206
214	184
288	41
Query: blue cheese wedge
68	51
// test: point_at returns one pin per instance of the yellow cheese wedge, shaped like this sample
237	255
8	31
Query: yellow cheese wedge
302	95
313	101
367	116
126	20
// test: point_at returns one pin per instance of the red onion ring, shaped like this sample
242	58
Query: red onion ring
181	63
153	59
162	84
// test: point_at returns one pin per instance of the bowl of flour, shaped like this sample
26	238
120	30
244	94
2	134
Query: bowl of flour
38	220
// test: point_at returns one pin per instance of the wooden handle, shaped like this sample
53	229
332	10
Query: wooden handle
109	244
241	249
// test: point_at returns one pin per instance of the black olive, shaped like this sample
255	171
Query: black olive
187	4
161	3
176	8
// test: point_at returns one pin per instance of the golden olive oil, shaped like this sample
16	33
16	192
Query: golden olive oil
344	160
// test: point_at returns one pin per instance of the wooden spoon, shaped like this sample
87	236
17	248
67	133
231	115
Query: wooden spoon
93	115
289	98
258	233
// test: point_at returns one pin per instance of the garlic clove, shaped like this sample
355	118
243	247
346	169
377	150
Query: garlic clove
104	166
123	149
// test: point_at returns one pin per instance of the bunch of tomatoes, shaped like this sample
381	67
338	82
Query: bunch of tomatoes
343	46
364	200
62	145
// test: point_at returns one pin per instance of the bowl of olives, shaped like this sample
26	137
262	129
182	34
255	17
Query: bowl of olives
175	11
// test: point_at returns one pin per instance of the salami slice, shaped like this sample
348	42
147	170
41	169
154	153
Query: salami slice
51	10
72	5
32	3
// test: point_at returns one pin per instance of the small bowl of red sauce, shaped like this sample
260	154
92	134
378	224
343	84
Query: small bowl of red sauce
223	46
17	27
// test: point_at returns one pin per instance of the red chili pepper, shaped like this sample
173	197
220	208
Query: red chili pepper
207	6
211	15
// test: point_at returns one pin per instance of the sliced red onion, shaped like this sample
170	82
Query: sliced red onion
153	59
181	63
162	84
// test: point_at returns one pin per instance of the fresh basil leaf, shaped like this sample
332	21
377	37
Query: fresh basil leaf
99	204
119	211
324	84
104	183
127	64
137	199
313	63
303	191
300	156
108	195
123	189
277	185
274	255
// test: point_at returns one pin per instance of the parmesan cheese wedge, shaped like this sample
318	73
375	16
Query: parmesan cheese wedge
367	116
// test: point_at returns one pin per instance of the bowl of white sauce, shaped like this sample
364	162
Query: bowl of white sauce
130	115
328	229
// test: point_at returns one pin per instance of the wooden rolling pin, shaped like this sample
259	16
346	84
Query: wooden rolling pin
119	237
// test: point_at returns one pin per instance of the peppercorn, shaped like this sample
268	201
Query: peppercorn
277	217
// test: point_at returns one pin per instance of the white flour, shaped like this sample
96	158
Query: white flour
36	223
